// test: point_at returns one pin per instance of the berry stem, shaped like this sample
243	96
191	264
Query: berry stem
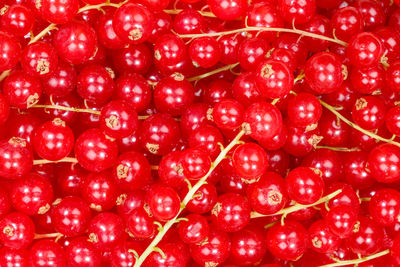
341	149
36	38
96	112
177	11
355	126
186	200
265	29
45	161
51	235
205	75
298	206
356	261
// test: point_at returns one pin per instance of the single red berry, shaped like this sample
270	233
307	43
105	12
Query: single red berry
163	202
365	50
10	51
16	158
18	20
17	230
106	230
384	163
194	229
100	191
81	252
250	161
47	253
341	220
195	163
57	11
227	9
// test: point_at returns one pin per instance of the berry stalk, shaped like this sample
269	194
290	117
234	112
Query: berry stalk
265	29
357	261
186	200
45	161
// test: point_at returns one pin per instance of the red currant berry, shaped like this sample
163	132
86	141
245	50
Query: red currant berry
304	109
18	20
204	52
195	163
17	230
250	161
16	159
367	237
61	81
384	163
47	253
10	50
163	202
228	114
194	229
365	50
106	230
227	9
231	213
39	59
369	112
81	252
57	11
341	220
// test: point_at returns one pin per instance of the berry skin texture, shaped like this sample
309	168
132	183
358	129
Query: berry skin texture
384	207
267	195
16	159
58	11
32	194
341	220
384	163
106	230
47	253
297	11
10	50
53	140
39	59
204	52
231	213
17	230
304	185
365	50
163	202
227	9
250	161
288	241
94	151
321	238
194	230
18	20
323	72
81	252
304	109
367	237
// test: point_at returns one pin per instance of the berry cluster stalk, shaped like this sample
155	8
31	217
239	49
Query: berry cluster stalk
186	200
357	261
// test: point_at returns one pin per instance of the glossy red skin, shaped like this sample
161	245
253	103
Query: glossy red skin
194	230
304	109
205	201
189	21
368	239
369	112
58	11
341	220
95	84
227	9
159	134
207	138
169	49
10	50
318	24
262	15
384	206
327	161
22	230
229	46
267	195
173	95
32	194
81	252
39	59
392	121
121	255
384	163
304	185
366	81
163	202
228	114
70	178
169	170
365	50
245	89
162	25
217	249
71	216
252	52
53	140
248	246
231	213
274	79
14	257
106	230
323	72
195	163
132	170
61	81
22	126
216	91
47	253
132	59
133	23
194	118
354	170
288	241
321	238
347	197
372	12
106	34
298	11
18	20
346	22
276	142
128	202
72	36
140	224
173	256
4	109
265	120
391	41
250	160
21	90
134	89
204	52
16	159
100	191
94	151
298	140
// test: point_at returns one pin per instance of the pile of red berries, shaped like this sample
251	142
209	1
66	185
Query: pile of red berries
199	133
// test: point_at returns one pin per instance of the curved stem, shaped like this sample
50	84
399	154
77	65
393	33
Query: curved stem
356	261
265	29
4	74
177	11
297	206
355	126
45	161
342	149
42	33
205	75
186	200
96	112
51	235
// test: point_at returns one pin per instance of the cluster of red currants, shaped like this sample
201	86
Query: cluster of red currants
199	133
